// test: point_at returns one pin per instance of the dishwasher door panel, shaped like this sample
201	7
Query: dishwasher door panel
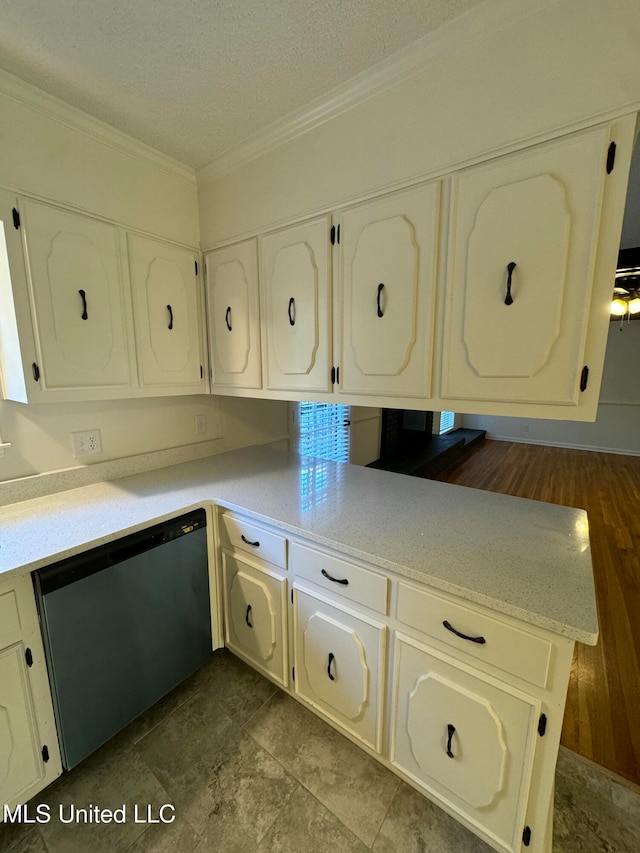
121	638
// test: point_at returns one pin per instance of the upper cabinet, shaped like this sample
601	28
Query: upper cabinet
484	291
77	289
92	313
165	293
522	251
296	269
387	275
234	316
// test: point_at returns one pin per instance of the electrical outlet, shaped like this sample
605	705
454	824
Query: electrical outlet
201	424
86	443
525	426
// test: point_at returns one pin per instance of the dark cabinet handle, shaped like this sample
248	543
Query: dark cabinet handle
85	316
480	640
380	289
450	731
510	268
292	317
248	614
36	371
331	659
343	581
227	318
255	544
170	310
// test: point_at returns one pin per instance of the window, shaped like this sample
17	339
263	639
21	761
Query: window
447	420
322	430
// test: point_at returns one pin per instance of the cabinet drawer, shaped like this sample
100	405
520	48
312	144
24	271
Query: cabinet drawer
9	618
341	577
254	539
506	647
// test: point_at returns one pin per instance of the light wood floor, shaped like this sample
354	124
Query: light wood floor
602	718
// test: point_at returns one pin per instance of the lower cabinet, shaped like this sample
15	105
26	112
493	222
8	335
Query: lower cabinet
29	754
467	742
255	613
464	703
339	659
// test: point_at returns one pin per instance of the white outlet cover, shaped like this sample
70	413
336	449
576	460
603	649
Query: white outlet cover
86	443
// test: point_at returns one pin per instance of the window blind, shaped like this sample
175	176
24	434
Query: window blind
446	421
322	430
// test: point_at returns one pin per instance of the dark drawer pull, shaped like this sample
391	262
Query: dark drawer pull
508	300
292	314
450	730
227	317
255	544
332	657
170	310
480	640
343	581
83	296
380	289
246	618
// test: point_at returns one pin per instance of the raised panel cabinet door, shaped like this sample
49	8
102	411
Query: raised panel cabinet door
20	759
387	267
296	266
234	315
77	291
166	313
339	661
465	739
254	609
524	232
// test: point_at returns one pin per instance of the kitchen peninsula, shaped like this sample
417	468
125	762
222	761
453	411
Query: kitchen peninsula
435	603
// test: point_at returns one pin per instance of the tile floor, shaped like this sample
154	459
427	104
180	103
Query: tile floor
249	769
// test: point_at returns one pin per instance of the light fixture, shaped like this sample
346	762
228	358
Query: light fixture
618	307
626	292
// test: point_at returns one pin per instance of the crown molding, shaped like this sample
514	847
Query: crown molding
18	90
480	23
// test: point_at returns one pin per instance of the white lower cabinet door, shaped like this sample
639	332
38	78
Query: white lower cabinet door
339	665
255	605
466	739
20	759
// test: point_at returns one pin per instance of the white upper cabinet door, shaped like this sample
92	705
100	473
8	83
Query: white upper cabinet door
166	313
77	292
234	316
296	267
524	234
387	268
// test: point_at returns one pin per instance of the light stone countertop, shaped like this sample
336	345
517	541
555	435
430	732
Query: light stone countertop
528	559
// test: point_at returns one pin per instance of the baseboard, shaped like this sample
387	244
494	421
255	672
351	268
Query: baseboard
616	450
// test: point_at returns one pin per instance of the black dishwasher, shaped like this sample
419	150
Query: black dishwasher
123	624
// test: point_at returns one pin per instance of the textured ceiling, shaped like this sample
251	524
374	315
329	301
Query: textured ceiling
194	79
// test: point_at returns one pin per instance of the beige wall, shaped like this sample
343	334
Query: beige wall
40	435
94	169
508	72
